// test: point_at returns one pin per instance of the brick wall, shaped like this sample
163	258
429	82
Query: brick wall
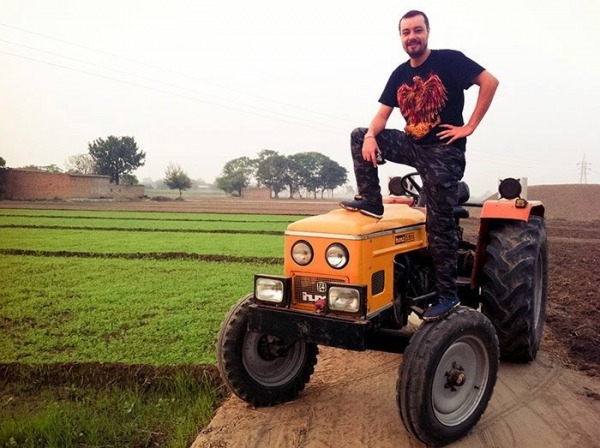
256	193
40	185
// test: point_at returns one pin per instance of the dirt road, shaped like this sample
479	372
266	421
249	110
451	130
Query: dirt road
351	402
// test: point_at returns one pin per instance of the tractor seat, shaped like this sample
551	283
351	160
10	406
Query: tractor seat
464	193
460	212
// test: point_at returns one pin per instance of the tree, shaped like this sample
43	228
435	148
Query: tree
294	175
199	183
129	179
2	162
47	168
236	175
177	179
331	176
306	170
148	183
271	171
116	156
160	184
81	164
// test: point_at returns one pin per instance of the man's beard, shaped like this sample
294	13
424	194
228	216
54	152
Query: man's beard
416	52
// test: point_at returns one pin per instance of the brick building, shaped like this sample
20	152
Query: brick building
26	185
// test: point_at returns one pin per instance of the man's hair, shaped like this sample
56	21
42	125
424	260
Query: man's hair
413	13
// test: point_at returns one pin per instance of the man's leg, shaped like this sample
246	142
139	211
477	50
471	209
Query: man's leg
369	201
396	147
443	167
442	236
443	247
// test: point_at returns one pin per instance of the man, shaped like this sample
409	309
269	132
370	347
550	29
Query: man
429	91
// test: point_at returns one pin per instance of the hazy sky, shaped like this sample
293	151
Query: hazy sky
200	82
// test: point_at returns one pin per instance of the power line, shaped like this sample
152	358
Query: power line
155	67
276	117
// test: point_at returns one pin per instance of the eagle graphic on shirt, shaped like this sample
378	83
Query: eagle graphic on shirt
421	103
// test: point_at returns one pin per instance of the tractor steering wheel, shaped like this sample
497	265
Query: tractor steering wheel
412	185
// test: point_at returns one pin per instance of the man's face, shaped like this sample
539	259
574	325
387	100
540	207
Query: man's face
414	35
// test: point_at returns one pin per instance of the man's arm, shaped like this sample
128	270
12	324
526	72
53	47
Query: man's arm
370	148
487	88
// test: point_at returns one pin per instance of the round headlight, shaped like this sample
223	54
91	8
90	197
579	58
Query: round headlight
510	188
302	253
337	256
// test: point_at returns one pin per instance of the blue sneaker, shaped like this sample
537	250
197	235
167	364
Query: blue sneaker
440	308
362	205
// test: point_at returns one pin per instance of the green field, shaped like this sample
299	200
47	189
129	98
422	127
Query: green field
106	289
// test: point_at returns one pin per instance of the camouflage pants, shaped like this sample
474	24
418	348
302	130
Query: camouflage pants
440	168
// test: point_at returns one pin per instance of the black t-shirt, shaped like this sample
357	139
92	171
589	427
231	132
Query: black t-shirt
432	94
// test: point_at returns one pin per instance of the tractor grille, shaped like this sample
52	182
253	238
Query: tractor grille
306	289
377	282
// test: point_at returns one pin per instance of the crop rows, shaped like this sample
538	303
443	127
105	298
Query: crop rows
134	288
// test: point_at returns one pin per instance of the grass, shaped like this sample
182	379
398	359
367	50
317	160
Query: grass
146	216
131	232
61	311
47	413
108	241
144	221
132	311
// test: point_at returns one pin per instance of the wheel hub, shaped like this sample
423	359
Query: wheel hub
455	377
271	347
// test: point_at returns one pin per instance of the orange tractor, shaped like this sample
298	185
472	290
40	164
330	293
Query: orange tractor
351	281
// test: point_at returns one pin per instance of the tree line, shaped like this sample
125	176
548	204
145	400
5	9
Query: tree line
308	173
305	173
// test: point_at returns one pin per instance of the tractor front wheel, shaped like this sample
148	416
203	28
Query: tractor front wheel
261	369
447	376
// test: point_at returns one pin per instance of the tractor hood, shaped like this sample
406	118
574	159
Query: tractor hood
344	222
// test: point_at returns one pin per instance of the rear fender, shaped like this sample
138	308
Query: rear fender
495	210
511	209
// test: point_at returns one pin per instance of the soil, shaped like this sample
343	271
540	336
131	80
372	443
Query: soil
551	402
351	398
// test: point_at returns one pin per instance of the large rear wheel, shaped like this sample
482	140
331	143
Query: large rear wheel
261	369
514	286
447	376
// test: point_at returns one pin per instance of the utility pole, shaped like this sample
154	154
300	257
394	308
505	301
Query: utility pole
583	170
